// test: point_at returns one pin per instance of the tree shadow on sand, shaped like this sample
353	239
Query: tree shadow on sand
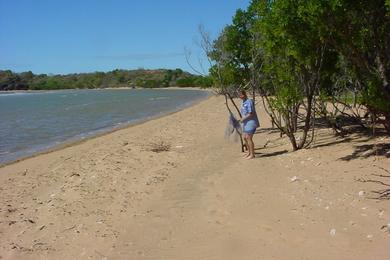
260	155
367	150
334	141
360	136
384	192
269	130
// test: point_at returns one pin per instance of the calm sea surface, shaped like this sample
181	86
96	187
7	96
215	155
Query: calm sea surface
36	121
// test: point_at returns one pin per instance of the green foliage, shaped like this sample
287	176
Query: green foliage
116	78
286	97
185	82
359	31
372	97
11	81
306	33
204	82
388	6
232	50
299	51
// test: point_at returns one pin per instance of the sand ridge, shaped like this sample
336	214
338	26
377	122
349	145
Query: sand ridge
119	197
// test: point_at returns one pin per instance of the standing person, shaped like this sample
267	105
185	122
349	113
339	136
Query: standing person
250	122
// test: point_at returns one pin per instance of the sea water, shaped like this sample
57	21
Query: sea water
32	122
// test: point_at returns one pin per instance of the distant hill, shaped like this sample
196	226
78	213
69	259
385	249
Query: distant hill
139	78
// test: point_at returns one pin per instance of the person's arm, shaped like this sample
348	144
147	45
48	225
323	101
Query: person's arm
246	117
249	114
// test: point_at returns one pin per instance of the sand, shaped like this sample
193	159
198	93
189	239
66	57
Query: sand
174	188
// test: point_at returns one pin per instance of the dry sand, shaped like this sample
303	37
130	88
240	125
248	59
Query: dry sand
114	197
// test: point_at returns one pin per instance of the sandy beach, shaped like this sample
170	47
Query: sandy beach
175	188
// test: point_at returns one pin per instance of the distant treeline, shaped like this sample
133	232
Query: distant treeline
142	78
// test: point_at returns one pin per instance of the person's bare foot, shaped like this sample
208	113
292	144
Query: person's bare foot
250	157
246	155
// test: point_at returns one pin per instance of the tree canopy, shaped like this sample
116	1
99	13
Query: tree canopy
299	54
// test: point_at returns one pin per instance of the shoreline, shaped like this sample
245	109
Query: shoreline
175	188
110	88
70	142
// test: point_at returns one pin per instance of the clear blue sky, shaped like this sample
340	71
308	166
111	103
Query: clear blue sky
72	36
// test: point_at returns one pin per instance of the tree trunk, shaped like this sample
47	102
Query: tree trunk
306	127
386	123
293	141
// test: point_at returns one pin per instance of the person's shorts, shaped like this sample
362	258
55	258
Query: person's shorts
250	131
249	127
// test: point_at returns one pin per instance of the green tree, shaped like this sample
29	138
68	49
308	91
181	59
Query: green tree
359	31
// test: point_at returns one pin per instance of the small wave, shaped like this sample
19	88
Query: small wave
77	106
158	98
7	94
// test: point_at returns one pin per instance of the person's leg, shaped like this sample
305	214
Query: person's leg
247	153
251	146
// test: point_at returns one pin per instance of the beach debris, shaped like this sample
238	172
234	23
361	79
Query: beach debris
318	164
12	210
370	237
368	152
179	146
332	232
381	213
79	227
294	178
160	147
25	172
103	257
105	156
17	247
42	227
361	193
70	228
125	143
386	228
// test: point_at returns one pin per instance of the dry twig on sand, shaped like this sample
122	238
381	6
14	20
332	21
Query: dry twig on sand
160	147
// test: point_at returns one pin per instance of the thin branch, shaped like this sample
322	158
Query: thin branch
187	55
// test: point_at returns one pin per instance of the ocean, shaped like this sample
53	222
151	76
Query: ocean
33	122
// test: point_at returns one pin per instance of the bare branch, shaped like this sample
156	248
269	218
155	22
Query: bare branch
187	55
